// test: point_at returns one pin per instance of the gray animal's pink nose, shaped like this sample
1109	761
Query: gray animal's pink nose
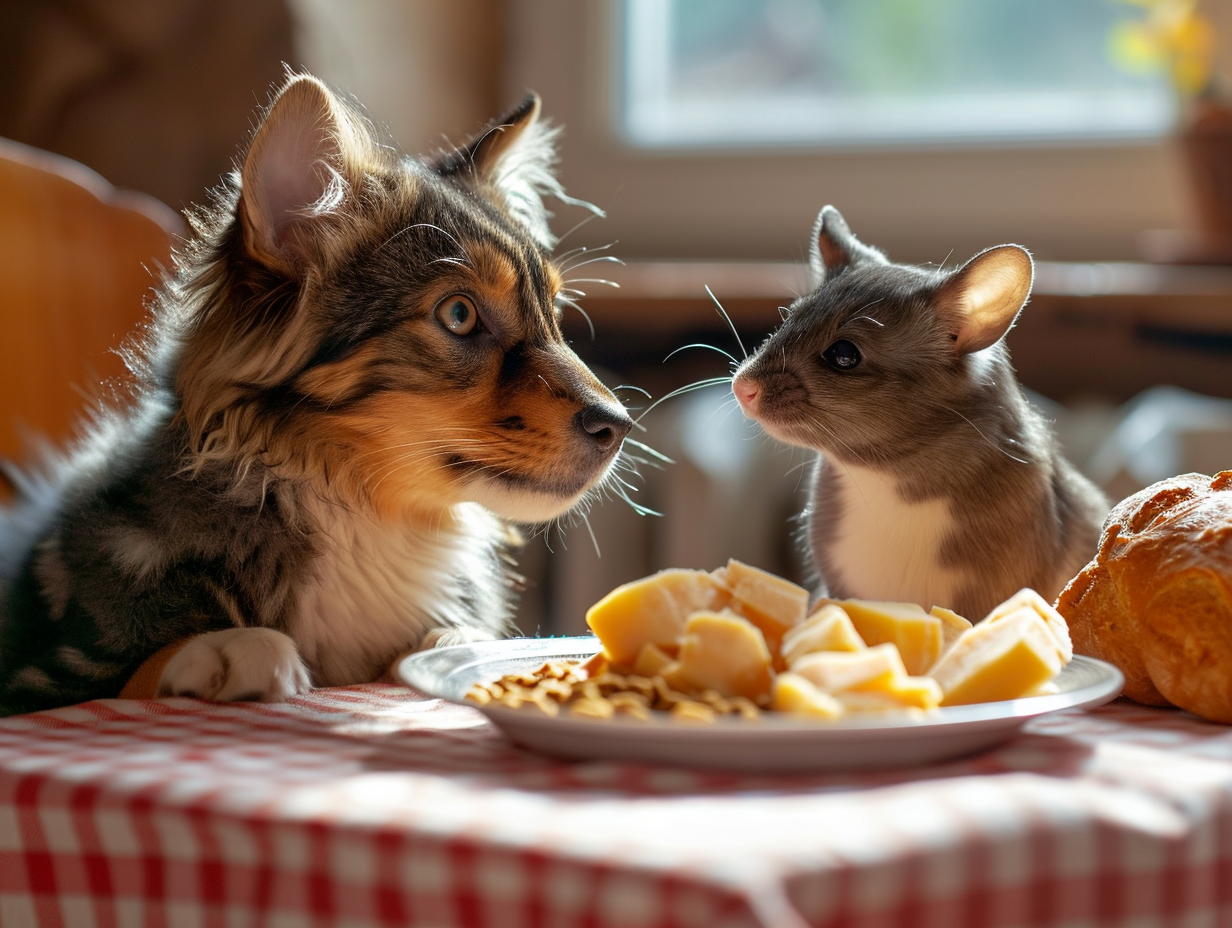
746	393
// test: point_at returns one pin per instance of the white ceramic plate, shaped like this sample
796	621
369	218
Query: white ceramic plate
770	744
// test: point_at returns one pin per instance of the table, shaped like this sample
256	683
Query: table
374	805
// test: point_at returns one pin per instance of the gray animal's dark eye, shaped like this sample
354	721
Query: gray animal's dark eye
842	355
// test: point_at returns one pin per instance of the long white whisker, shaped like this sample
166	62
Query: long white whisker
649	450
723	313
689	388
725	354
990	442
593	280
565	301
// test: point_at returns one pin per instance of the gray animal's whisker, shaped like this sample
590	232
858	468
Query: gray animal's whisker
725	354
723	312
990	442
679	391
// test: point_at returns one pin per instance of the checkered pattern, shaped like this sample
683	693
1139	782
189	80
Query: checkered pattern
372	806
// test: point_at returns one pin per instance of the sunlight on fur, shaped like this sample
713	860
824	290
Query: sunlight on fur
353	376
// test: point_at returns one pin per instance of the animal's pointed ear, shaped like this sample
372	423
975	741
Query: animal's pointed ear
301	165
981	300
513	159
835	247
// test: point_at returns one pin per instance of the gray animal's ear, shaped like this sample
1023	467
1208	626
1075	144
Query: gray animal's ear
835	247
514	159
981	300
301	165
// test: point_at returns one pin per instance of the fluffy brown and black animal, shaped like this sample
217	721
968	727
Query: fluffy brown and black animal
353	383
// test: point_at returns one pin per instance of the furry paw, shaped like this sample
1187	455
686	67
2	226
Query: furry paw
257	664
436	638
445	637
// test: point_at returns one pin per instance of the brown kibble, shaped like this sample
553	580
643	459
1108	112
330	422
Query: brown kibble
745	708
592	708
609	682
547	705
628	699
716	701
689	710
478	694
667	695
559	690
644	686
637	710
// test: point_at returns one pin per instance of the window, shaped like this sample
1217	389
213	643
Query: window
834	72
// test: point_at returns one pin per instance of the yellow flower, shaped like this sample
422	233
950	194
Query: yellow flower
1174	37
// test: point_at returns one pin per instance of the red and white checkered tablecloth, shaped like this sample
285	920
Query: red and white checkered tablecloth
375	806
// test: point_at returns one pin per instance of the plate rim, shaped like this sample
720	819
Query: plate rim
1003	713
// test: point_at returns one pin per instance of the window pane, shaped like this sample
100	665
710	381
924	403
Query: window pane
722	72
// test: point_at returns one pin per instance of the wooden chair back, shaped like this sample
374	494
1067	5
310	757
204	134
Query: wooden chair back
78	261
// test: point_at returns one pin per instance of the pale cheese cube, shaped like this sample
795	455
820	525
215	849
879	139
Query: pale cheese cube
775	605
952	625
726	653
797	696
915	633
653	609
827	629
1006	659
837	671
1027	598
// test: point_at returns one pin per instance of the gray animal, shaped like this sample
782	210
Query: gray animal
937	482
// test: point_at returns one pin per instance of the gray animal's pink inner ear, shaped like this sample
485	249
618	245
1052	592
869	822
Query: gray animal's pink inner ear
983	298
293	171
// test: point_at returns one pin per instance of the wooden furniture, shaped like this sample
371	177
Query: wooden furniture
78	258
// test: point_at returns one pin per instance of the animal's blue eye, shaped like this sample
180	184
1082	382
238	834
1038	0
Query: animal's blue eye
458	314
842	355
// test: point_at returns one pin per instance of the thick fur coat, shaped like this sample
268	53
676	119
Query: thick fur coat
353	384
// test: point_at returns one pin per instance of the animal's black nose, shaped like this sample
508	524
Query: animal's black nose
606	425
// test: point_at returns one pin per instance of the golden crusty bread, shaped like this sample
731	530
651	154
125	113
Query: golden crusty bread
1156	600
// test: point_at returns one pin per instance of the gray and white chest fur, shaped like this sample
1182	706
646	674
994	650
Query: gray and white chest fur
872	543
376	589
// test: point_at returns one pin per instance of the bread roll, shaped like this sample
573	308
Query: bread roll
1156	600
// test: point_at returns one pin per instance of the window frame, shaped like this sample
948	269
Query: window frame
937	202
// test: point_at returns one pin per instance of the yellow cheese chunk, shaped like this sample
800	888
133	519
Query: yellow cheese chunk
651	660
916	692
773	604
1006	659
1029	599
797	696
726	653
653	609
827	629
915	633
952	625
837	671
